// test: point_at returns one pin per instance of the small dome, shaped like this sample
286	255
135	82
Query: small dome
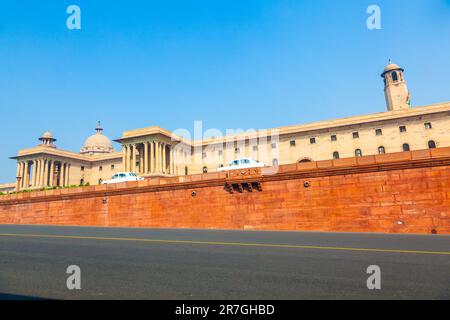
47	139
97	143
47	135
391	66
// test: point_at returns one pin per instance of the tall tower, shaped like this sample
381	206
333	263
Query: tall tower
395	88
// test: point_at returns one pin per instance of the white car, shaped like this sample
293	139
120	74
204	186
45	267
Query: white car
123	177
243	163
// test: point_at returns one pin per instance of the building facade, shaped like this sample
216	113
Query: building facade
155	151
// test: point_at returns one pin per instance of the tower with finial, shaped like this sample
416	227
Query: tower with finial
395	88
99	128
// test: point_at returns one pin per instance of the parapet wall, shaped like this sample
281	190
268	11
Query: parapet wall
404	192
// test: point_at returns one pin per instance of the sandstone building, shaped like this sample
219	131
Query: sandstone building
155	151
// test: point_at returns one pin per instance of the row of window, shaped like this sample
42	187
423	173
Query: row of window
313	140
99	168
431	144
336	155
382	150
378	132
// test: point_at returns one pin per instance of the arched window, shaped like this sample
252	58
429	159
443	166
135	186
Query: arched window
100	181
406	147
394	76
431	144
381	150
205	169
303	160
358	153
335	155
275	162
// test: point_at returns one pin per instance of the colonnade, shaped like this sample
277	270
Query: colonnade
43	173
150	157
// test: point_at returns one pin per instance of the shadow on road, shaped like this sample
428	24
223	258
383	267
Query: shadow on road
7	296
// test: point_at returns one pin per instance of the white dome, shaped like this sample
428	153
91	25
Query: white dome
97	143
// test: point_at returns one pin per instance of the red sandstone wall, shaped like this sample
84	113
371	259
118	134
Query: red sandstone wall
369	194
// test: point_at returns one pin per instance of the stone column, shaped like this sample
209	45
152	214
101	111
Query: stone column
133	158
145	157
164	158
38	170
22	173
52	164
18	169
164	163
141	159
152	158
33	173
158	158
61	174
38	173
130	155
41	174
172	160
27	175
124	158
19	163
19	176
138	167
44	173
127	159
67	174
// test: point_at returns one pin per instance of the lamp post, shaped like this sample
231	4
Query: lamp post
18	179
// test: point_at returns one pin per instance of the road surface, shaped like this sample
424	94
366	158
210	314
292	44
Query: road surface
126	263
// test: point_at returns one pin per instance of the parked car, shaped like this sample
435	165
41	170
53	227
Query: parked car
123	177
243	163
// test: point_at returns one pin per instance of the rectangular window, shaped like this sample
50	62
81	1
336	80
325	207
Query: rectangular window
204	155
355	135
82	168
333	137
428	125
402	128
292	142
274	145
100	168
112	167
237	150
220	152
378	132
255	148
312	140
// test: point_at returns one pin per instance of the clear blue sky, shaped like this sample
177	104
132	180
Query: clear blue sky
230	63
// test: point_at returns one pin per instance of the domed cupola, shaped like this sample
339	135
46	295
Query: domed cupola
97	143
47	140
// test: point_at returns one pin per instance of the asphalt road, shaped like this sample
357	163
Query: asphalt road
120	263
